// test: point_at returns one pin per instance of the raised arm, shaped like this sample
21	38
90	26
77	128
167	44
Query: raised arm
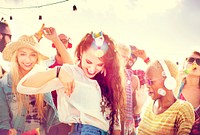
50	33
141	54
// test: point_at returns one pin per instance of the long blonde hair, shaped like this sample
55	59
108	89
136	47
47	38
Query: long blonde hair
22	99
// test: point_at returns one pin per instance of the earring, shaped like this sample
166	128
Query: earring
161	92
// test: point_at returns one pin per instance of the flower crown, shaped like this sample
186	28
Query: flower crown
99	44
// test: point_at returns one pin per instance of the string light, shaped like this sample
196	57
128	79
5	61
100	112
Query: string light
40	17
2	19
49	4
29	7
74	8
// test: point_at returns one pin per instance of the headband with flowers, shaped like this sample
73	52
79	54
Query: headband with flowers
99	44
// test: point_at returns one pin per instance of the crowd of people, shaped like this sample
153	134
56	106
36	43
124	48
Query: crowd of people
95	92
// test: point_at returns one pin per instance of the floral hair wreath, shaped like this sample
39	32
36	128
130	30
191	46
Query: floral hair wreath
99	44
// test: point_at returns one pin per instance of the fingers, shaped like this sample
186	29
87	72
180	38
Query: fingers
48	30
69	88
67	80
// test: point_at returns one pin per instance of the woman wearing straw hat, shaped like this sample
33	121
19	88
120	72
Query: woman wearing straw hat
19	113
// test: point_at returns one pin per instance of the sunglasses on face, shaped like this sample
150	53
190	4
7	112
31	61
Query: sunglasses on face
150	82
2	35
191	60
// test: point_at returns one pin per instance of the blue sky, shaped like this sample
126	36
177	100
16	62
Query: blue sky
164	28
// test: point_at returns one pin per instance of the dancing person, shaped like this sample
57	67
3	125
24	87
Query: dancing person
165	114
190	83
91	93
20	113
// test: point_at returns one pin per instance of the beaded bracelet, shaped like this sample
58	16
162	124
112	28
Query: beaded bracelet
58	71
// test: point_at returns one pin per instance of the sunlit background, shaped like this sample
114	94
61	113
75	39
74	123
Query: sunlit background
163	28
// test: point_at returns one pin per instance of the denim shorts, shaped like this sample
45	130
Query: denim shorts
84	129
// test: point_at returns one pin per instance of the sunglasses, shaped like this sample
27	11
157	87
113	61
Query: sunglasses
150	82
2	35
191	60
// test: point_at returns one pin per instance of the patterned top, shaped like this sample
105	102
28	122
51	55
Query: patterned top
128	123
176	120
32	120
135	118
141	75
129	92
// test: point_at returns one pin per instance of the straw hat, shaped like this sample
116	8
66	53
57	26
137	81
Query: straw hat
23	41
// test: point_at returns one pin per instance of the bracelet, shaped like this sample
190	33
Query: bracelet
58	71
147	60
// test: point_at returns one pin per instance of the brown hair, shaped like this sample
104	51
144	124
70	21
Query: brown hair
197	53
112	85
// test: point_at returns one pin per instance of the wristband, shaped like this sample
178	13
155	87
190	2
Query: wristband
58	71
147	60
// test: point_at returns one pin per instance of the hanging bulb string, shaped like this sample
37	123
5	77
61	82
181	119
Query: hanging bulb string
44	5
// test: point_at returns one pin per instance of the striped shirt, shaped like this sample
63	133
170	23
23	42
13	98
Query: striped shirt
176	120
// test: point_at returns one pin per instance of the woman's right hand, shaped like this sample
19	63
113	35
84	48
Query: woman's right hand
67	80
